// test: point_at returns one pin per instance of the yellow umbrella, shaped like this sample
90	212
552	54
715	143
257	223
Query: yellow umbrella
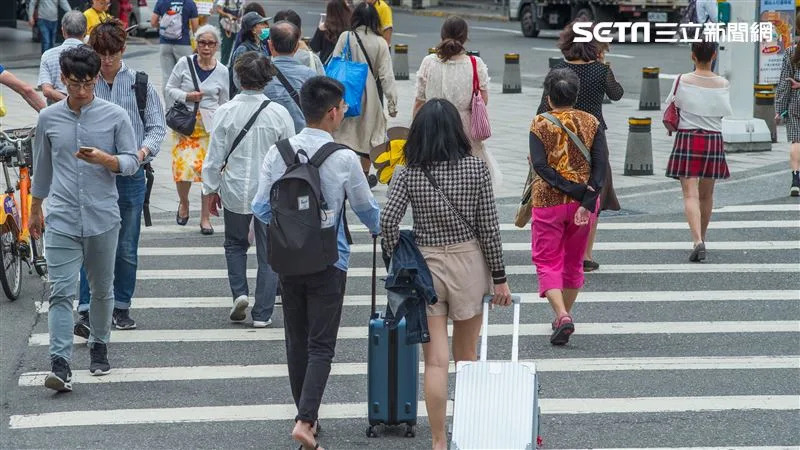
389	154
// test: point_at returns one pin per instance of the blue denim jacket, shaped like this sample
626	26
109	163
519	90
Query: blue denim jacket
410	289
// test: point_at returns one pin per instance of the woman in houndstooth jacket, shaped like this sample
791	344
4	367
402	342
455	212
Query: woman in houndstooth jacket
787	107
458	233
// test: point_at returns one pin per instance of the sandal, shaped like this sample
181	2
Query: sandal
590	266
563	329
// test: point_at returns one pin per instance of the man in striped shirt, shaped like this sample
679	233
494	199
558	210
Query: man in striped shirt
116	85
73	27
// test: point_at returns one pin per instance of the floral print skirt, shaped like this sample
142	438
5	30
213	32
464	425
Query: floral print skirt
188	154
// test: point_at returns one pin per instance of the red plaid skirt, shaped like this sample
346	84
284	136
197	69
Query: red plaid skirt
698	154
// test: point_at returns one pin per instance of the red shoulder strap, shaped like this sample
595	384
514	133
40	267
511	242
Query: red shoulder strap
476	85
677	82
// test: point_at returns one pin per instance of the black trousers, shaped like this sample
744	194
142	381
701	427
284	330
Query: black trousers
312	310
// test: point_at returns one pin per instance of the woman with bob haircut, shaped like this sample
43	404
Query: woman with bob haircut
458	233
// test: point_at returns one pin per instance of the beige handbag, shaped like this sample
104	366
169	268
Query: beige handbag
524	210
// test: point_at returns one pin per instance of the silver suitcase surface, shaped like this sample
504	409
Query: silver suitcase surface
497	402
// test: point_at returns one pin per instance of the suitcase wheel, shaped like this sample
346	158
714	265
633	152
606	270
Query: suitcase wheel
411	431
371	432
539	442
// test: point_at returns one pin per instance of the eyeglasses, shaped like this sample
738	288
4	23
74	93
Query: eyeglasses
206	43
78	85
110	58
344	108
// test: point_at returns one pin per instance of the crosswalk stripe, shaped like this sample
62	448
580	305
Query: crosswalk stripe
792	207
719	225
513	246
207	274
272	412
146	374
528	297
688	448
539	329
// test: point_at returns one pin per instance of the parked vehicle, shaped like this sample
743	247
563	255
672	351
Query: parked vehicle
140	16
537	15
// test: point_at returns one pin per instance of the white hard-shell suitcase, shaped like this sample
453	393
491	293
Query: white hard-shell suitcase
497	402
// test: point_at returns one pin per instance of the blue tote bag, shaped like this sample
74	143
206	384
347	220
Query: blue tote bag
352	74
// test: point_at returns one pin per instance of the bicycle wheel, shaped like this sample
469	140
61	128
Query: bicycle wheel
11	275
39	263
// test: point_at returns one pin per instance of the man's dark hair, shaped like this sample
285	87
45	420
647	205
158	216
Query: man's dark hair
254	70
108	37
289	15
318	95
80	63
436	134
561	86
284	37
254	6
704	51
366	15
577	51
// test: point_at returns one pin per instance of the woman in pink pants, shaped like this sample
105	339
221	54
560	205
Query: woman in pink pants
568	153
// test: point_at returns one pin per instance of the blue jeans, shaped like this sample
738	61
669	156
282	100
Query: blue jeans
47	31
237	227
65	255
131	202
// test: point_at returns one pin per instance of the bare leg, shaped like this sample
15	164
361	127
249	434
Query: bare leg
691	207
570	295
794	156
205	215
437	361
183	188
302	433
706	195
465	338
556	299
587	255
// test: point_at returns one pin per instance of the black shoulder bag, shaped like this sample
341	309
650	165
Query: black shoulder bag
140	91
179	117
243	132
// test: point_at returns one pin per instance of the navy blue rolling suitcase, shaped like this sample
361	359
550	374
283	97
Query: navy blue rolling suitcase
393	371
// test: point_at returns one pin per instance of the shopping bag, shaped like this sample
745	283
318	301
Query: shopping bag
353	75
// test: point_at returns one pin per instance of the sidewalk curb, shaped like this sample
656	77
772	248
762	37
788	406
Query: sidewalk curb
445	13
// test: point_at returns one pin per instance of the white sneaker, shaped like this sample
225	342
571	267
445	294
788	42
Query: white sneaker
262	324
239	309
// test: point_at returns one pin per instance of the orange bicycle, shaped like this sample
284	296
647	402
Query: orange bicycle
16	243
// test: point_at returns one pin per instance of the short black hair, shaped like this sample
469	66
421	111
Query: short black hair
436	134
289	15
254	70
79	62
704	51
284	36
562	86
318	95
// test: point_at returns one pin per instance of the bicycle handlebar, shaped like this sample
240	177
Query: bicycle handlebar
15	140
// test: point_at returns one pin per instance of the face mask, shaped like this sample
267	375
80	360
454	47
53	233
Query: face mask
264	34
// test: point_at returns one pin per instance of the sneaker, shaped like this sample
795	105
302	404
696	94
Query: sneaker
372	180
261	323
699	253
60	377
121	319
82	328
99	355
564	328
794	191
590	266
239	309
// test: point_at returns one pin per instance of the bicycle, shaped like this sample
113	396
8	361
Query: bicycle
16	243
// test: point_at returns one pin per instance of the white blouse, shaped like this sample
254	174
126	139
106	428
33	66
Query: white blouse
701	107
214	88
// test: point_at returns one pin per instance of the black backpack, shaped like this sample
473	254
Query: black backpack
140	91
298	242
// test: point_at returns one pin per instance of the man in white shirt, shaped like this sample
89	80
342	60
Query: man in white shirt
312	304
234	187
73	27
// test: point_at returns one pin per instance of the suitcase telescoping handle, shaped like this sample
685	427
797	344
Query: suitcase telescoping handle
514	334
374	274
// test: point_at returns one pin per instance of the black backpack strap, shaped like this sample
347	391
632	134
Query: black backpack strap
140	91
325	151
148	174
190	61
244	131
289	88
286	151
369	63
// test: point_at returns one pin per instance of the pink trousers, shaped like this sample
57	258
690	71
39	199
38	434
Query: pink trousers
557	246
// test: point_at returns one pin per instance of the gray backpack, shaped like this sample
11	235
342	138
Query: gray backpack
171	26
303	231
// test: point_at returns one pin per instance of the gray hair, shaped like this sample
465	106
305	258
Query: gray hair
74	24
208	29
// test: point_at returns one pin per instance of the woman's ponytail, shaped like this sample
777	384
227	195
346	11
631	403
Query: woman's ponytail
449	48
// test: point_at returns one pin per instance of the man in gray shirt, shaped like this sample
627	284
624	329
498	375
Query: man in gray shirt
284	89
46	19
73	26
82	144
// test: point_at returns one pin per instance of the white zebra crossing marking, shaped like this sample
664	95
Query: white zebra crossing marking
271	412
539	329
145	374
529	297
